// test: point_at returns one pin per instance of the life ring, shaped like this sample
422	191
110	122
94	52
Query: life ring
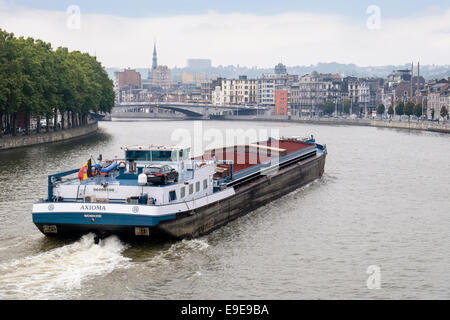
122	162
202	164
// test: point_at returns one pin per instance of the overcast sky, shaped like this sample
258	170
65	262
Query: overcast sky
248	33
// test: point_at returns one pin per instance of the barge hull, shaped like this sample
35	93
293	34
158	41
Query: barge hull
191	224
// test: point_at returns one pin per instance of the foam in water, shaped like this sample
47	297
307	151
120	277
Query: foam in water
59	273
178	251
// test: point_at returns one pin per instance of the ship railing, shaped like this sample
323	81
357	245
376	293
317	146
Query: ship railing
54	178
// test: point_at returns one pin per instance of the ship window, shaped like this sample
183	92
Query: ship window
191	189
172	195
163	156
182	192
197	186
138	155
205	184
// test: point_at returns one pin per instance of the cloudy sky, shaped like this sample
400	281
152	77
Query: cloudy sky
246	32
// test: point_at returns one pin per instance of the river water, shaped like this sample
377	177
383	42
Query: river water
382	204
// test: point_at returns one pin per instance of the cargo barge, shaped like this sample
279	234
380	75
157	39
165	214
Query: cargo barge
163	192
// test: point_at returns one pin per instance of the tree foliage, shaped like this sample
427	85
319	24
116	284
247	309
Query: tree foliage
409	108
346	105
380	109
328	107
399	108
417	111
390	110
37	81
444	112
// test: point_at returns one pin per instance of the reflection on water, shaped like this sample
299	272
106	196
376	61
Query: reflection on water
382	201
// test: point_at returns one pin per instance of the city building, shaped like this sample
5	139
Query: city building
402	92
207	88
267	85
312	90
240	91
161	77
129	78
126	84
281	102
398	76
245	91
283	93
438	97
197	79
280	69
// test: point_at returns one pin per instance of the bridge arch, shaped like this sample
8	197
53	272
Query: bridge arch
188	113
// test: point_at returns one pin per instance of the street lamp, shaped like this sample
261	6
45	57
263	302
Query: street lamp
335	108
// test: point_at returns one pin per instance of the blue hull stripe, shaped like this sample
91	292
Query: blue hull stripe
115	219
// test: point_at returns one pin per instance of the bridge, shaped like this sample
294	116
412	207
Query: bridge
138	110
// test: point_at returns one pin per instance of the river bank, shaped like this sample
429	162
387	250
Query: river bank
409	125
7	143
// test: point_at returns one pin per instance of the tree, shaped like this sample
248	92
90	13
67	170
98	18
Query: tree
399	108
346	105
381	109
444	112
37	81
328	107
390	111
417	110
4	89
409	108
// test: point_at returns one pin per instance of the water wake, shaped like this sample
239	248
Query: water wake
178	251
59	273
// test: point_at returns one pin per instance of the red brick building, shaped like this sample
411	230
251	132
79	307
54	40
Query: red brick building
129	78
281	102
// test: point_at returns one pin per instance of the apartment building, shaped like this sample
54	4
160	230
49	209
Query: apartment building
161	77
235	91
312	90
267	86
438	97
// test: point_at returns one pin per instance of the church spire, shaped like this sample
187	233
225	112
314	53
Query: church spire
155	58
